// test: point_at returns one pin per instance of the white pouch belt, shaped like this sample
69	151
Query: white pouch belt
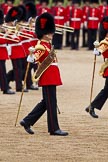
93	18
3	45
75	19
25	41
54	63
59	17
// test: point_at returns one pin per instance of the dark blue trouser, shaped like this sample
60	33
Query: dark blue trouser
101	98
49	103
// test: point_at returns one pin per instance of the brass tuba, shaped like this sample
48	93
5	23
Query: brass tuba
45	64
102	47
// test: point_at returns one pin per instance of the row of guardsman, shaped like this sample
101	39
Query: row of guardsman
77	14
17	33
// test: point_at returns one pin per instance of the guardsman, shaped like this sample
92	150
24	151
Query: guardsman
17	53
31	10
7	6
85	8
43	7
93	21
49	79
31	14
102	48
75	22
103	8
59	14
68	9
3	57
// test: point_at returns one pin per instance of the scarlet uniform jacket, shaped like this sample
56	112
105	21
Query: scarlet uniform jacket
16	49
85	10
76	18
51	75
3	49
93	18
105	55
59	14
103	11
42	10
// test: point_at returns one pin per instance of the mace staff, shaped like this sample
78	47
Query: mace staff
25	78
96	44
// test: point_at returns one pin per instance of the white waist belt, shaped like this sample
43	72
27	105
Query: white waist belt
24	41
93	18
3	45
54	63
15	44
9	49
75	19
59	17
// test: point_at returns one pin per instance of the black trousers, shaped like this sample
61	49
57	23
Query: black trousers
84	37
68	39
57	41
3	77
101	98
49	103
18	72
75	39
92	35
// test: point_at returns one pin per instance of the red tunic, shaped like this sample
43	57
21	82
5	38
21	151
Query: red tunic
59	14
105	55
42	10
17	50
51	75
103	11
85	10
68	11
93	18
3	49
76	18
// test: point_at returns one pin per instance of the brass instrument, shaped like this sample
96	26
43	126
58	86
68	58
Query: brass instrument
7	35
102	47
64	28
16	30
45	64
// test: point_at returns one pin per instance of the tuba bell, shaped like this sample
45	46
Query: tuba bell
45	64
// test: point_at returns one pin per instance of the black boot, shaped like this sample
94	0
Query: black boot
26	127
91	111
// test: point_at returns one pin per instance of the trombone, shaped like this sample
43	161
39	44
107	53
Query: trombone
64	28
16	30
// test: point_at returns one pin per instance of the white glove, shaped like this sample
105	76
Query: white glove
32	49
96	43
31	58
96	52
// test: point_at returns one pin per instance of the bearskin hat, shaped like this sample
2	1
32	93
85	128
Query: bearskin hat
59	1
15	13
44	25
9	0
1	17
103	28
86	1
22	7
31	10
76	1
94	1
26	1
42	1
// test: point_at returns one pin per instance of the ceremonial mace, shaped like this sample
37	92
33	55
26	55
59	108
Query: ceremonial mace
31	49
96	44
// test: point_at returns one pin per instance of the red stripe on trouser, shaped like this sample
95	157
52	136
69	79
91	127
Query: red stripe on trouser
50	108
